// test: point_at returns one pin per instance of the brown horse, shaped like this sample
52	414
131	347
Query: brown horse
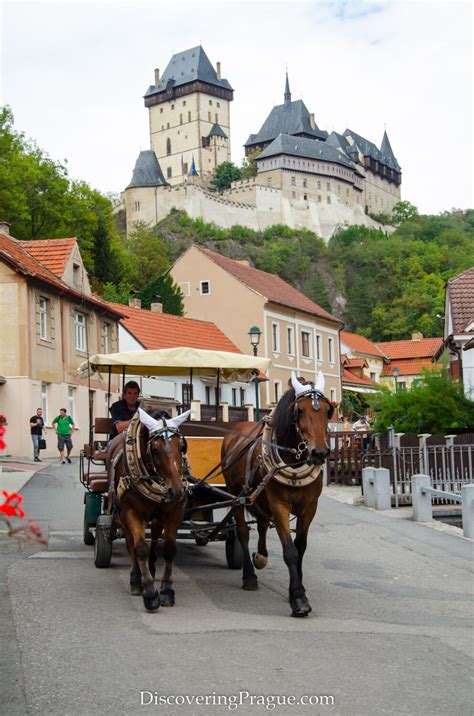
294	448
150	487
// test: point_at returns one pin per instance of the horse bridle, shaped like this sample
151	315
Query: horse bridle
315	396
166	433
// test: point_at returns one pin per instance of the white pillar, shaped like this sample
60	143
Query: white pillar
225	412
467	493
196	408
422	507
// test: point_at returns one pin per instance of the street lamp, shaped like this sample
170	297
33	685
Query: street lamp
395	374
254	335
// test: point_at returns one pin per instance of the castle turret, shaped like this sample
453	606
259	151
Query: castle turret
185	103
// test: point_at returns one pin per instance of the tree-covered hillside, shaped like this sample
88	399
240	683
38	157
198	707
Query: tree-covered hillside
383	286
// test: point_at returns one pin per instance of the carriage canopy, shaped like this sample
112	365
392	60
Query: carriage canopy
177	361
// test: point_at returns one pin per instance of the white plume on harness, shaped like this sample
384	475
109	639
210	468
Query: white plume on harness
156	426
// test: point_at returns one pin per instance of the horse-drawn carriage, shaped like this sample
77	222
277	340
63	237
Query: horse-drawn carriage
166	474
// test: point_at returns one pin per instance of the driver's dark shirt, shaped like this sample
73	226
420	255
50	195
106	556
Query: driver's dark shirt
120	411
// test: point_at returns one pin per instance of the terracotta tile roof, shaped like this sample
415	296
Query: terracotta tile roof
409	367
424	348
272	287
14	253
460	290
359	344
163	330
349	377
354	362
53	253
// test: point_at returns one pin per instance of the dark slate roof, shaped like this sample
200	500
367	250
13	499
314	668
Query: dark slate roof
387	153
188	66
307	148
216	130
147	171
287	118
339	141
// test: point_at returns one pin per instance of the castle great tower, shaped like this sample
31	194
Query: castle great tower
189	114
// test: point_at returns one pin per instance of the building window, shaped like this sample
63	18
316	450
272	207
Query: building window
137	206
79	331
319	198
71	402
269	181
106	338
331	350
217	118
168	172
43	318
332	395
275	337
305	197
218	104
305	183
168	146
289	341
161	110
305	344
234	397
293	194
328	186
242	396
189	116
205	288
181	119
186	394
172	106
44	401
167	125
185	287
277	391
328	199
293	181
318	185
208	395
401	385
184	103
373	377
210	102
76	275
209	117
318	348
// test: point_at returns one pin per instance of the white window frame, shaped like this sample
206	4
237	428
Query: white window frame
43	318
290	341
331	350
275	337
106	337
44	400
205	293
80	331
318	345
306	333
185	288
332	395
243	397
71	401
277	391
234	397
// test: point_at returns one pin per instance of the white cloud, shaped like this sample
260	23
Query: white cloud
75	74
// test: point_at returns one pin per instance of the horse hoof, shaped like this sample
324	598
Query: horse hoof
259	560
300	608
136	590
167	597
250	584
152	603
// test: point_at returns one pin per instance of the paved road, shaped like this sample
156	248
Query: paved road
389	633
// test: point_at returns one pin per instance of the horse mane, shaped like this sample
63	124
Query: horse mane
283	424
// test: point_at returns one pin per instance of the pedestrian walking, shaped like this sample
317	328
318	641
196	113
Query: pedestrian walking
64	426
37	431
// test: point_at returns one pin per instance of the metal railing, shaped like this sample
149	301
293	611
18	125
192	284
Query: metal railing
423	494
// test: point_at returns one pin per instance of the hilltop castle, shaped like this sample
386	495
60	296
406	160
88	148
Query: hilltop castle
306	178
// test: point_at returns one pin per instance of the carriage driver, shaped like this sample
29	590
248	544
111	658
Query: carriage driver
123	410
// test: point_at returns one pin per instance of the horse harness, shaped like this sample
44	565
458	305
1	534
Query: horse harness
301	474
138	478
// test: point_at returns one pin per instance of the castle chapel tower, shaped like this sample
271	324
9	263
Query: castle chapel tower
189	112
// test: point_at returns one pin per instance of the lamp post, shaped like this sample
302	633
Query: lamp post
395	374
254	334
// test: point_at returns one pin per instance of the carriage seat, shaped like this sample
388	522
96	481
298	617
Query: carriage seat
98	482
102	426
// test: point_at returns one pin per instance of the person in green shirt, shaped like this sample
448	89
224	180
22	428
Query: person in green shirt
63	425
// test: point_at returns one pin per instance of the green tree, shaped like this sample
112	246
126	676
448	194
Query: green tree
147	256
436	405
403	211
163	290
248	170
225	174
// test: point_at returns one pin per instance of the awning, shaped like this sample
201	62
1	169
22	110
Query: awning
177	361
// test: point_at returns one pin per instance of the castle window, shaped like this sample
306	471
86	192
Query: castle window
209	116
184	103
168	172
217	118
305	197
181	119
189	116
168	146
137	206
167	125
319	198
210	102
318	185
218	104
328	186
293	193
305	183
172	106
161	110
328	199
269	181
293	181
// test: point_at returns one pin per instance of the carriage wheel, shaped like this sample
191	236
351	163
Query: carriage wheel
233	551
103	542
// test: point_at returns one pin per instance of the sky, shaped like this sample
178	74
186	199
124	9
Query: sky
74	74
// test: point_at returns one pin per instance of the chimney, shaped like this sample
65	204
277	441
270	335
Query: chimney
5	228
417	336
311	121
218	70
135	302
157	77
156	307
